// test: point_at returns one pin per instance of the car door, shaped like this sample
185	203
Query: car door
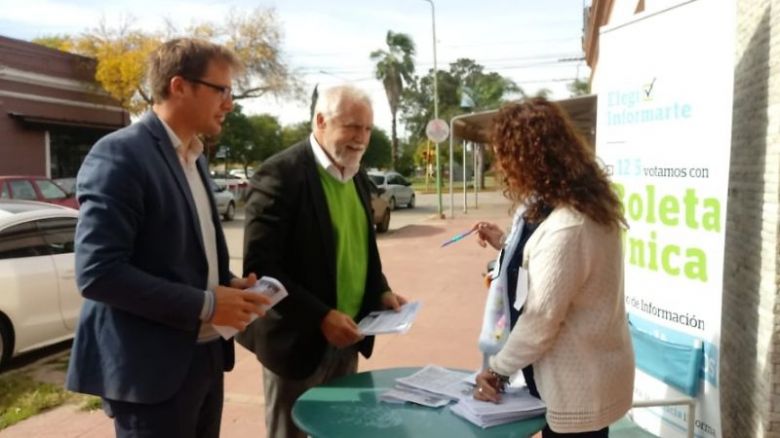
396	182
406	188
219	198
29	286
58	234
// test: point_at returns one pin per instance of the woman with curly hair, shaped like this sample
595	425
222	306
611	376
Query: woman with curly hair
570	334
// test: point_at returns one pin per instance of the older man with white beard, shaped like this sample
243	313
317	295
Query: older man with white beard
308	224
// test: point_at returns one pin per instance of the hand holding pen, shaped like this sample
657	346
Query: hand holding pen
489	233
458	237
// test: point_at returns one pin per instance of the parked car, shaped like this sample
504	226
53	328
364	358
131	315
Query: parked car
226	202
397	190
380	208
39	303
35	188
240	173
229	181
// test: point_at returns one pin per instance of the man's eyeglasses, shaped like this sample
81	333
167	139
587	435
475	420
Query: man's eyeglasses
225	92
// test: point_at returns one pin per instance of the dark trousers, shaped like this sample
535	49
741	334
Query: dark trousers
528	374
548	433
194	411
281	393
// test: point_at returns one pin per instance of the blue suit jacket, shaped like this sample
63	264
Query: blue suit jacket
141	265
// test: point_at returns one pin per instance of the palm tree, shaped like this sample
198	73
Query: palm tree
394	67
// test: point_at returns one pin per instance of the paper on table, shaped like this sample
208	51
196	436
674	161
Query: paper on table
270	288
513	406
397	395
438	380
389	321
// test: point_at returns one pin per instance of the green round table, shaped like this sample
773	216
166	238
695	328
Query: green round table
348	407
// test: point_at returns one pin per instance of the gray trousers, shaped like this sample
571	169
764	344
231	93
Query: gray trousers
281	393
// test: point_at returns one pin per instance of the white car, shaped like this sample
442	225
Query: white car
397	189
226	202
39	300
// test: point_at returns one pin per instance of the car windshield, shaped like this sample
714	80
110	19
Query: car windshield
377	179
49	190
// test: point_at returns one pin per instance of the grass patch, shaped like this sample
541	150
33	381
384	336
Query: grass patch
419	185
21	397
90	403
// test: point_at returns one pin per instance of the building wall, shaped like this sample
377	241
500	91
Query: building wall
750	365
41	90
22	151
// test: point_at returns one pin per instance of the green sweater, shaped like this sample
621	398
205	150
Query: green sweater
350	235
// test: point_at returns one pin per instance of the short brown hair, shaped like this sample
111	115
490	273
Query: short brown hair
185	57
547	163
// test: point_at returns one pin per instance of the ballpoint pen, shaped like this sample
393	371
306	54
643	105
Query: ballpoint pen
458	237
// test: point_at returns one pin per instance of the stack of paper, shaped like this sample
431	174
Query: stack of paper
432	386
514	406
440	381
412	396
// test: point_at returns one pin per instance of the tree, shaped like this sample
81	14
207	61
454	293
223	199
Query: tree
122	54
379	150
394	67
237	138
295	132
579	88
488	90
267	136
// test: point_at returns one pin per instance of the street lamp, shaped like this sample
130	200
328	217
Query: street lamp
436	105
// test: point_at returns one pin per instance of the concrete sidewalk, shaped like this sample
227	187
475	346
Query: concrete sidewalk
447	281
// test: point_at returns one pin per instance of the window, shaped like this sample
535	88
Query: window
22	189
377	179
4	192
68	146
49	190
23	240
395	179
59	234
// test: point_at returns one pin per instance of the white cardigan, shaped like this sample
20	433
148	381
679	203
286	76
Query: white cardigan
573	329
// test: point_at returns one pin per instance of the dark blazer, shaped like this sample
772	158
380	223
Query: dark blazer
289	236
141	265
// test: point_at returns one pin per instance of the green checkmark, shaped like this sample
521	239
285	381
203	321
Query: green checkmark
648	89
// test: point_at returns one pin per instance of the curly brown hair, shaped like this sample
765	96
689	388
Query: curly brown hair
546	163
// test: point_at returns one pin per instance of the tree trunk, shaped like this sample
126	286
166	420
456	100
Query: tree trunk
394	145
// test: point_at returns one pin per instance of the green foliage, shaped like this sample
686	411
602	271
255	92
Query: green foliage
237	137
579	87
379	149
296	132
405	165
267	136
486	90
22	397
395	67
91	403
250	139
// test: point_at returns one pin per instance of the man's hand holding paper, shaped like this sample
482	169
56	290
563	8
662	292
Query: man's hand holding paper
236	308
339	329
389	321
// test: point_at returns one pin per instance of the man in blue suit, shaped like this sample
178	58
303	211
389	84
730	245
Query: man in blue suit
151	258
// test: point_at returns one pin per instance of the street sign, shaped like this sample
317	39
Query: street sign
437	130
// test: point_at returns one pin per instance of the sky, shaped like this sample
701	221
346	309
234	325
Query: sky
329	42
